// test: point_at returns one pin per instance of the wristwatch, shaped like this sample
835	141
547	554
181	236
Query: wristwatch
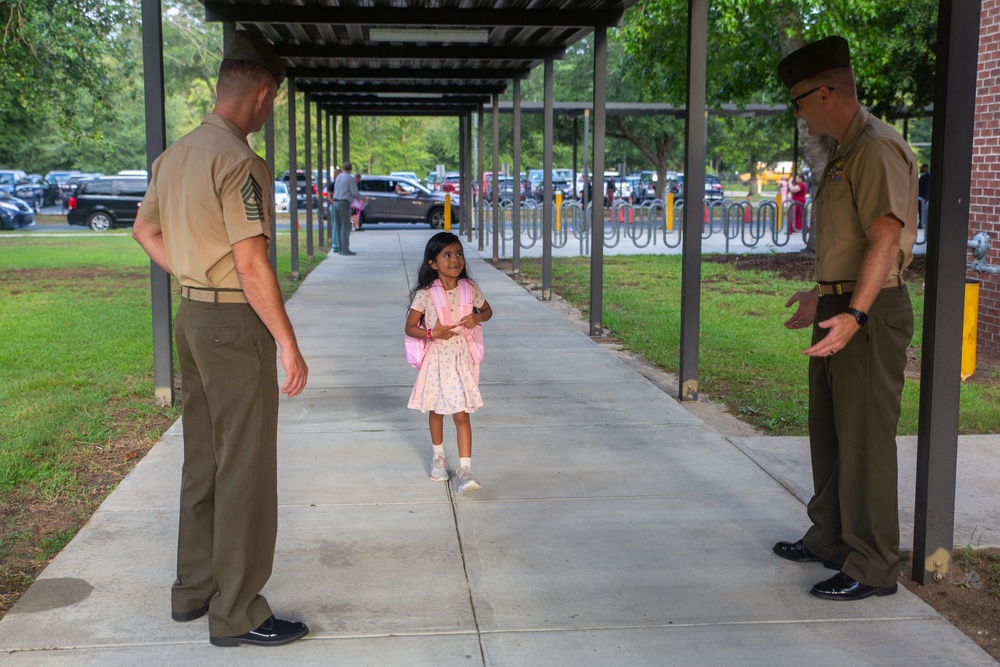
860	315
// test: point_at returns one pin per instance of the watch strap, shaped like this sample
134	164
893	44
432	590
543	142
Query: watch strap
859	315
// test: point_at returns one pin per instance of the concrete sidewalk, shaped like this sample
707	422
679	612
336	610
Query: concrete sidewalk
614	527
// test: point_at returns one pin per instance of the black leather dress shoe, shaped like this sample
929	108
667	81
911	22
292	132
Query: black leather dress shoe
272	632
798	552
842	587
185	616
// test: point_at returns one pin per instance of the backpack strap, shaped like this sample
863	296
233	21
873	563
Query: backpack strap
465	296
440	300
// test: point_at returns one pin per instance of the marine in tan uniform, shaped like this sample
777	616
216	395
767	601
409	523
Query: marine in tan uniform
205	219
866	224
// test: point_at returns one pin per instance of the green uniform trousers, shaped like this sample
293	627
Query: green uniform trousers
229	498
854	399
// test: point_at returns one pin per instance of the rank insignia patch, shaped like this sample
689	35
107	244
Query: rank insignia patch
253	202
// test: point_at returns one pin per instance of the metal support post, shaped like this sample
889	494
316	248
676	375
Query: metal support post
293	181
478	188
272	247
496	177
597	212
547	132
156	143
694	195
951	178
307	137
516	210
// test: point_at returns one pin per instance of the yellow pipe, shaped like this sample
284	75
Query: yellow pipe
778	221
447	211
558	211
969	328
670	211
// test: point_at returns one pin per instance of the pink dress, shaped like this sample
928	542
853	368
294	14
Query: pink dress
448	381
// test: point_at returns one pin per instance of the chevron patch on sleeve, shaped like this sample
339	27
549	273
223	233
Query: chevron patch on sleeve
253	202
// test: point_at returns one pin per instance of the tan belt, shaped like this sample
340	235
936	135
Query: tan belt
210	295
847	286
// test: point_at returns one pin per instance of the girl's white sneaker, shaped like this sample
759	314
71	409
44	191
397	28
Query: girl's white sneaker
439	469
464	481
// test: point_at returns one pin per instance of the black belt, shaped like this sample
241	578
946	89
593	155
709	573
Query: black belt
347	200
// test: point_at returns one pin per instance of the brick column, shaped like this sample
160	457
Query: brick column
984	200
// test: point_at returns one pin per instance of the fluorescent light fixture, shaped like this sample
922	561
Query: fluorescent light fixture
430	96
456	36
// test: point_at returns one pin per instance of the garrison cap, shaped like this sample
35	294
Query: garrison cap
814	58
250	47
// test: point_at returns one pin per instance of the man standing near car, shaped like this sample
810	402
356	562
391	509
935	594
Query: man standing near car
205	219
866	222
345	190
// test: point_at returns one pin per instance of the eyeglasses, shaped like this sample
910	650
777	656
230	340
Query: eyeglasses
795	100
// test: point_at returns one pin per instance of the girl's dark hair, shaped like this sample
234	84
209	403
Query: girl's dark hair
427	274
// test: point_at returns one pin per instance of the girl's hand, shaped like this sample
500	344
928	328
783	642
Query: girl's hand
470	321
442	332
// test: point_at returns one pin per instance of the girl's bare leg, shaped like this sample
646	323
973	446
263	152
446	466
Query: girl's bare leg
463	424
436	423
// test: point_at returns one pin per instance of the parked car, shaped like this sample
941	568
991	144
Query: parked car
30	191
50	189
409	175
452	183
300	187
282	199
9	179
645	188
395	199
62	180
506	188
106	201
15	213
561	182
713	187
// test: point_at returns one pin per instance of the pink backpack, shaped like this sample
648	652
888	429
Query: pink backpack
416	348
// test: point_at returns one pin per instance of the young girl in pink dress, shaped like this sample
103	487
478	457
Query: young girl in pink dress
448	382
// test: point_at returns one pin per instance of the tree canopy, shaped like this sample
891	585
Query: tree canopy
71	93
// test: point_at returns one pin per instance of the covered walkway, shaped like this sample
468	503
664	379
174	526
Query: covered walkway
615	527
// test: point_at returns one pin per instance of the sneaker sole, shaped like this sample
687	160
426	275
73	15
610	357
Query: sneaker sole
471	486
439	479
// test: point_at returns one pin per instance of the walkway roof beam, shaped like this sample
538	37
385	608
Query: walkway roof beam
320	90
431	17
408	73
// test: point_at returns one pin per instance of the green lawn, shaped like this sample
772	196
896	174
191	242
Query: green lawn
747	360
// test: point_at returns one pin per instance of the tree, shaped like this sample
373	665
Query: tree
61	59
745	141
892	44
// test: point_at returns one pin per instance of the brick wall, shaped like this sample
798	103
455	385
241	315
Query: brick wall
984	201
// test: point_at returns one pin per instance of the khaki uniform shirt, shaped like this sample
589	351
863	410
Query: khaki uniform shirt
208	191
872	174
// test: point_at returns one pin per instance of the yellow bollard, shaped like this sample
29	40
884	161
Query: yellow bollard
558	211
447	211
670	211
777	224
970	327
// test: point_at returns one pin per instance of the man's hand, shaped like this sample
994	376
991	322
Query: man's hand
840	330
805	314
296	372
